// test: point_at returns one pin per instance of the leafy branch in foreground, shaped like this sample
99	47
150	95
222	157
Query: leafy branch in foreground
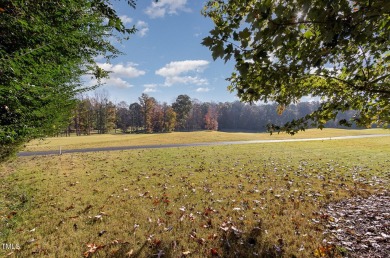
44	49
334	50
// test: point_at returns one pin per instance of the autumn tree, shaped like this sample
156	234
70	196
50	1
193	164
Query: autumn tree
211	118
147	104
169	118
87	116
45	46
105	112
334	50
158	118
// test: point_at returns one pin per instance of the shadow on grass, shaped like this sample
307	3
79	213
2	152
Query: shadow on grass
230	243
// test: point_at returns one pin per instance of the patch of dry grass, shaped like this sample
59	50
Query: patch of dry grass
111	140
230	201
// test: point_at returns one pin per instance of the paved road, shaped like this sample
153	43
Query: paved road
56	152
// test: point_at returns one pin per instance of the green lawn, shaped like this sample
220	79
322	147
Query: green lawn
237	200
105	140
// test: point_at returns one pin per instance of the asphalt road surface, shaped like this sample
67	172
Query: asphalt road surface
57	152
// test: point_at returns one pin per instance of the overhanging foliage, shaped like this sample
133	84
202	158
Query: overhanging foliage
337	51
45	46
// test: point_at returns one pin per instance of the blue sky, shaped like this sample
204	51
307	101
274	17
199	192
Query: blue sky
165	57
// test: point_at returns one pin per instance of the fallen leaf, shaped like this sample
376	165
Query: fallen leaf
214	252
129	253
186	253
92	249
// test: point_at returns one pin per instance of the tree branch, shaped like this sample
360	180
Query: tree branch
386	92
380	78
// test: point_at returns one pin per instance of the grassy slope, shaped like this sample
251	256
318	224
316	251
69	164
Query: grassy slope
79	142
241	199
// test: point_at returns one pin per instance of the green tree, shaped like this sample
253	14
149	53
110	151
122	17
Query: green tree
122	116
196	117
45	46
182	106
136	118
334	50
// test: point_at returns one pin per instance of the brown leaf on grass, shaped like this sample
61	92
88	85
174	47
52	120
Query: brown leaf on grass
98	217
130	253
214	252
11	214
160	221
224	228
209	223
87	209
92	249
324	251
71	207
156	242
201	241
186	253
208	212
213	236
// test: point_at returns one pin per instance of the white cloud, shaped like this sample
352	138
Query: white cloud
149	90
179	67
125	19
142	27
185	80
309	98
151	87
175	72
111	82
117	73
202	90
162	7
129	70
117	82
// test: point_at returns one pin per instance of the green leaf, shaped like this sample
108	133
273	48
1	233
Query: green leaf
308	34
218	51
208	41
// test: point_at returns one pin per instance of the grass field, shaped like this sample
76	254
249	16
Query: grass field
91	141
260	200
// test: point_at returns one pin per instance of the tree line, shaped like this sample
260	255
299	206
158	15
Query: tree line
100	115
